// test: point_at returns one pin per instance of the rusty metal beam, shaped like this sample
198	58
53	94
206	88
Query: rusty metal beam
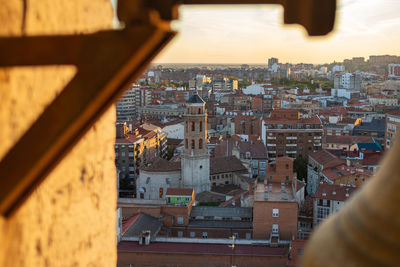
106	62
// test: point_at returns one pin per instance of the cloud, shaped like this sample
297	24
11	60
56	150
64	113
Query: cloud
250	34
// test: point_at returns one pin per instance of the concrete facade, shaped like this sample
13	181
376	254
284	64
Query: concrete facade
150	184
69	220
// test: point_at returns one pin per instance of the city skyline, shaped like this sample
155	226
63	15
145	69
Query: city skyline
251	34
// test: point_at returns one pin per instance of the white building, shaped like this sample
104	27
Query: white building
328	199
338	68
175	131
154	180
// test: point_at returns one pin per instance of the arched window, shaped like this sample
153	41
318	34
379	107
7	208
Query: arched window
193	126
187	127
201	126
192	143
186	143
199	110
200	143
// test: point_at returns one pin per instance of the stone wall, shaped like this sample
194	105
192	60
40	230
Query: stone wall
70	219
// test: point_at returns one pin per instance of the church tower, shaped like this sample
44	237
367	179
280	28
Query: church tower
195	159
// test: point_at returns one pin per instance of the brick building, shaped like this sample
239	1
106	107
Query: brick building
197	254
265	103
247	124
286	134
275	203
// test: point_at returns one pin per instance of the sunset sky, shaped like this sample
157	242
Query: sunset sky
251	34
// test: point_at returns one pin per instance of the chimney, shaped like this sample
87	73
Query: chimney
323	192
122	129
144	238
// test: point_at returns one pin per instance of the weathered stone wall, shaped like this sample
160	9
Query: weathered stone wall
70	219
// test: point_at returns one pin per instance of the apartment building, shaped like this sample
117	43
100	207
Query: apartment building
134	149
247	124
329	199
161	111
265	103
285	133
128	158
134	97
392	122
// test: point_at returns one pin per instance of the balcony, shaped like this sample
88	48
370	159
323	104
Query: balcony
291	145
317	137
317	144
271	137
272	152
291	152
271	144
291	137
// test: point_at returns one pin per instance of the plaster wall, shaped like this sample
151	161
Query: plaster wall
70	219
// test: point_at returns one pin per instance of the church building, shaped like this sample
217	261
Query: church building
193	170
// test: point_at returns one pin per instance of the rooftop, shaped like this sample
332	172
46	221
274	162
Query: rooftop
179	191
225	165
276	192
228	212
348	140
325	158
142	222
196	248
163	165
334	192
220	224
196	99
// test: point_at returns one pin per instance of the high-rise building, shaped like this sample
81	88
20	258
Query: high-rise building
135	97
272	61
195	159
349	81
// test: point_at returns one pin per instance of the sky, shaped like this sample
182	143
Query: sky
252	34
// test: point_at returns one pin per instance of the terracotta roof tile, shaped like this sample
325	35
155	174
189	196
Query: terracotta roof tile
225	165
163	165
179	191
334	192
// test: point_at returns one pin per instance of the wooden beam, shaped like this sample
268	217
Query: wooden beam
107	61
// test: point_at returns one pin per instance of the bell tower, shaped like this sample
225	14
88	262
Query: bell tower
195	159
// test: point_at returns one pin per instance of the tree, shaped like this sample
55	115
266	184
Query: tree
170	152
300	167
